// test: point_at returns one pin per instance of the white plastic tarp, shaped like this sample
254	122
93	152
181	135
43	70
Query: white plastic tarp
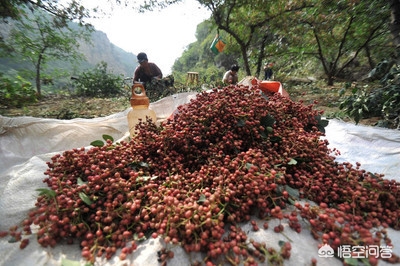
27	143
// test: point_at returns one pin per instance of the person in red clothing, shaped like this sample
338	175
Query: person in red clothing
146	71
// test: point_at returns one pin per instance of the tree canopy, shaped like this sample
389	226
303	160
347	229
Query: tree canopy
39	38
64	12
334	35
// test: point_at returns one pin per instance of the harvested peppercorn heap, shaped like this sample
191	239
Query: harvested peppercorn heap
227	156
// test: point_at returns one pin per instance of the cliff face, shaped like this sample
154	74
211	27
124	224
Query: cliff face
99	49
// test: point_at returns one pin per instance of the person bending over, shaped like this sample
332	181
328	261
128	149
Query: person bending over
231	76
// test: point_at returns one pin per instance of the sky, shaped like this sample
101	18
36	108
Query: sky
162	35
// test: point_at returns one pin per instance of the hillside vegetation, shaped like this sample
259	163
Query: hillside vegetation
92	51
98	49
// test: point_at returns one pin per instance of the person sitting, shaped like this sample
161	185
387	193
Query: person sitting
152	78
231	76
146	71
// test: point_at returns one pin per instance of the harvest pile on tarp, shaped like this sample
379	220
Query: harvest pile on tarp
230	163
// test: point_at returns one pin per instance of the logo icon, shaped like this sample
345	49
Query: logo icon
325	251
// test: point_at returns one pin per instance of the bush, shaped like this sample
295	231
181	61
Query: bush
383	101
16	91
99	83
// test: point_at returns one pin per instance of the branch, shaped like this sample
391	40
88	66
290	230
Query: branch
371	36
320	52
340	52
74	11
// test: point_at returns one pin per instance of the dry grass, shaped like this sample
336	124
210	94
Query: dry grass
63	107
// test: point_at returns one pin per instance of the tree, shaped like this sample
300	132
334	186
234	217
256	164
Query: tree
337	32
198	54
245	22
334	32
39	38
68	11
395	25
99	82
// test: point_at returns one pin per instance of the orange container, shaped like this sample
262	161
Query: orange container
140	108
270	86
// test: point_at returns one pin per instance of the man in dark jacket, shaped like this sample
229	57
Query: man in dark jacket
268	73
146	71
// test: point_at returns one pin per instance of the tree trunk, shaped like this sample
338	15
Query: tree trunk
370	60
245	61
330	72
261	55
330	80
38	83
395	26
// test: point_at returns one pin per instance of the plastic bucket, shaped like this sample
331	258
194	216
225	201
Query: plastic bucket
270	86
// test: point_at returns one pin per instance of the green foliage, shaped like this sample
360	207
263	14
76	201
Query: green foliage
101	143
60	70
319	38
39	38
98	82
355	105
389	97
199	58
16	92
391	105
73	10
9	9
339	34
383	101
48	193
